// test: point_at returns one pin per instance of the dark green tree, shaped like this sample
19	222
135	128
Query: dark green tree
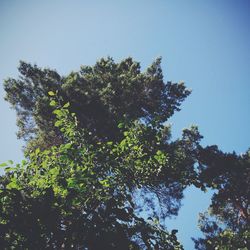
226	225
102	96
101	170
93	164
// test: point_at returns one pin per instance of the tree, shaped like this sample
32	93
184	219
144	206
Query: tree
226	224
80	194
84	188
102	96
101	170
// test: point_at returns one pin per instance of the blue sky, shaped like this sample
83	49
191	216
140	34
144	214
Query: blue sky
204	43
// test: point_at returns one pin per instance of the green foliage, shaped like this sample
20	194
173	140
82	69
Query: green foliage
80	194
226	225
101	170
101	96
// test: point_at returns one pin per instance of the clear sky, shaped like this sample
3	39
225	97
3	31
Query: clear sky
204	43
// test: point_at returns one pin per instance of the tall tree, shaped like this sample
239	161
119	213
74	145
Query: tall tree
102	96
101	170
102	159
82	194
226	225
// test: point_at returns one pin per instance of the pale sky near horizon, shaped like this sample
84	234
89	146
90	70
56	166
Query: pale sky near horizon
204	43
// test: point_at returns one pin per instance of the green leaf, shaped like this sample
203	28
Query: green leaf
71	182
24	162
58	123
120	125
57	112
126	133
54	171
104	183
2	165
51	93
67	146
37	151
8	169
52	103
66	105
12	184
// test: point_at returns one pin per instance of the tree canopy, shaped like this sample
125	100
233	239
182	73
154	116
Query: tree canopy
101	170
102	96
226	224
